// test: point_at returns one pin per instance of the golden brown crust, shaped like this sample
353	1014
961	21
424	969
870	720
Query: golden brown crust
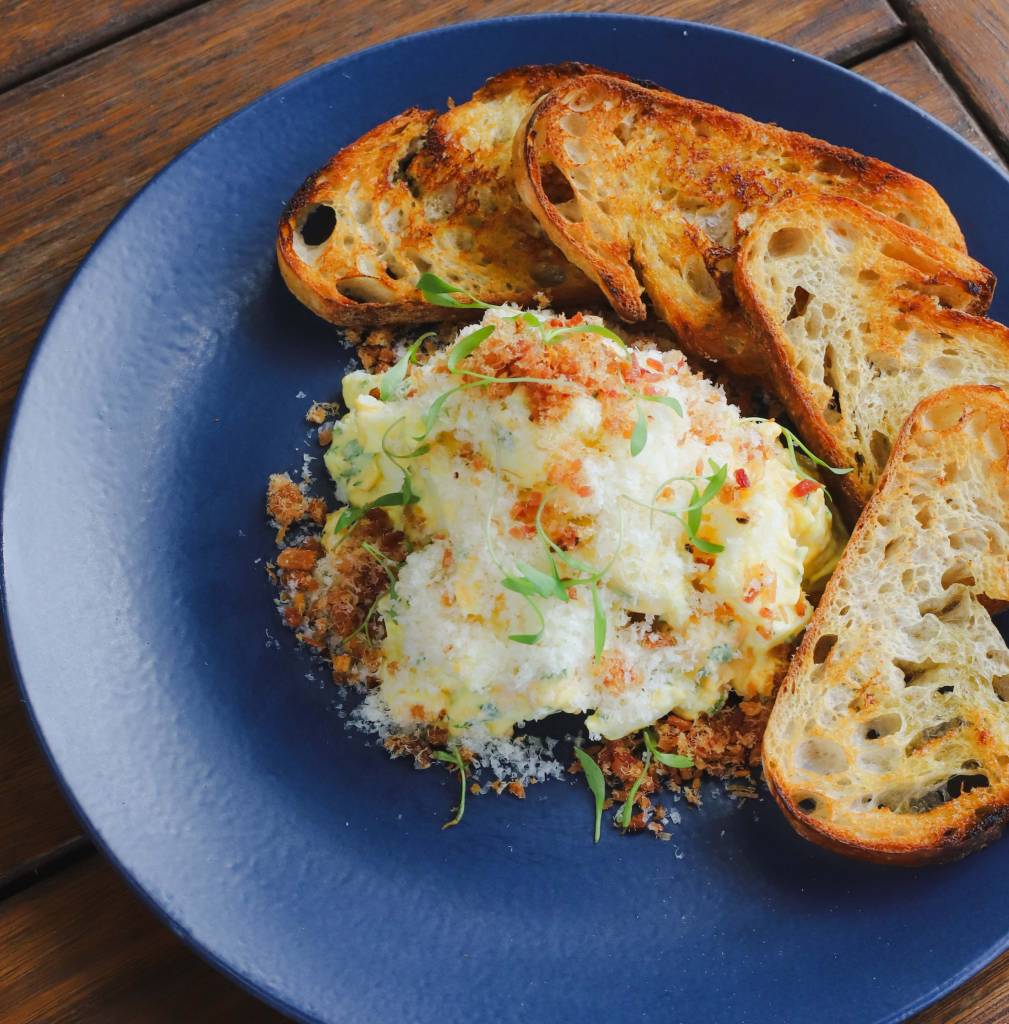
901	296
660	191
427	191
974	817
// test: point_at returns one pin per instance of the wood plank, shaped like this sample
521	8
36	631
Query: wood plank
982	1000
907	71
34	816
969	40
82	947
37	37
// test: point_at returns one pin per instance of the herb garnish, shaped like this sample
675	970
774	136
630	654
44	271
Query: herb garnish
596	783
392	380
669	760
390	568
351	516
640	436
627	809
454	757
793	442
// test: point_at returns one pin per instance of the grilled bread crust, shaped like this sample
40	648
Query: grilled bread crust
860	318
649	192
428	191
889	739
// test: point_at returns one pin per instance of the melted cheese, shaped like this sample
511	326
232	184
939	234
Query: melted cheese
682	626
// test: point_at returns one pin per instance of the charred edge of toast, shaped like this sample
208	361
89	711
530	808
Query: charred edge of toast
949	845
954	841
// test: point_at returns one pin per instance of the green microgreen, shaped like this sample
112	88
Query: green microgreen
690	516
598	623
795	445
669	760
351	515
627	808
530	638
454	757
392	380
553	335
441	293
596	783
390	568
467	344
640	435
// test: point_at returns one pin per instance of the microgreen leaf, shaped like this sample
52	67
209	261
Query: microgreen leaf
466	345
392	379
596	783
815	459
395	499
546	585
348	518
453	757
440	293
598	623
530	638
552	336
669	760
627	809
666	400
640	436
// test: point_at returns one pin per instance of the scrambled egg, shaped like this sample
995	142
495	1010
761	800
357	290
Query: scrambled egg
605	536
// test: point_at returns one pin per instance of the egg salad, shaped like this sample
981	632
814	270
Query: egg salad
583	528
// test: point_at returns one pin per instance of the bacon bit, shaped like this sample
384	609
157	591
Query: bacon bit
804	487
654	364
800	606
522	531
298	579
446	558
417	712
297	558
317	510
447	600
517	790
742	479
764	632
341	664
292	616
766	613
325	436
724	612
526	506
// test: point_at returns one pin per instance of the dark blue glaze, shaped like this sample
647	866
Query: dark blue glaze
293	854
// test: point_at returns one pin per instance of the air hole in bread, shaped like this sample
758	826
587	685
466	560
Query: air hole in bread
945	367
883	725
903	217
548	275
905	254
957	573
701	281
807	805
789	242
902	802
576	150
418	261
879	447
800	300
822	756
623	129
364	289
581	101
1000	684
944	689
947	608
318	225
912	671
555	185
830	164
868	275
823	647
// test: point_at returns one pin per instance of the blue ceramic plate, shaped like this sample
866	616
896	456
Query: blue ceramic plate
292	853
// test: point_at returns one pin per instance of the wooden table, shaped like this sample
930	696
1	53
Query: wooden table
94	98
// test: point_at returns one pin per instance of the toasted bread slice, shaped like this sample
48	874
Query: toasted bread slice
861	317
427	191
647	191
889	738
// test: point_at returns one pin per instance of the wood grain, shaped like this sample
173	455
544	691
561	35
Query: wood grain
982	1000
34	816
907	71
969	40
39	36
83	948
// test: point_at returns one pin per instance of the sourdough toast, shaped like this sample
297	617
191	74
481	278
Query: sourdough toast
649	192
427	191
861	318
889	737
